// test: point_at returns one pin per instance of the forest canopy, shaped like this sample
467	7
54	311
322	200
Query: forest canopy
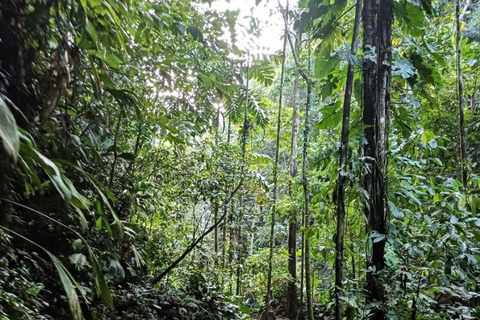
211	159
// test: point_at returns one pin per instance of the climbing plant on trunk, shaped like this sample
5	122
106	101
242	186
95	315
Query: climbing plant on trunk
377	29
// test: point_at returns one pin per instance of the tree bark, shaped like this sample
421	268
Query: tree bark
275	170
458	36
215	216
306	209
226	216
292	300
342	175
376	111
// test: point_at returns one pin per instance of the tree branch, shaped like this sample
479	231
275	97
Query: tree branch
297	64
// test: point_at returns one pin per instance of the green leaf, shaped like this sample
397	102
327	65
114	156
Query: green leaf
453	219
27	150
111	60
263	72
395	211
476	233
8	130
127	156
475	204
376	236
181	27
331	116
69	288
325	63
426	71
358	89
262	158
79	260
115	270
427	136
77	245
350	313
403	68
410	17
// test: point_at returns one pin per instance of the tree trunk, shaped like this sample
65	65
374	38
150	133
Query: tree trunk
306	209
376	110
215	216
239	242
342	175
225	214
304	174
463	156
292	300
275	170
238	287
231	249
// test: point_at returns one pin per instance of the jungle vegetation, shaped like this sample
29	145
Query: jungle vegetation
152	166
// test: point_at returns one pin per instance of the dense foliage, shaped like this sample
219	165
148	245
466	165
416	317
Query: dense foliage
152	167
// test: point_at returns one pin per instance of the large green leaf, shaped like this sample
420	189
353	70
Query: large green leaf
426	71
325	63
331	116
101	283
69	287
263	72
411	18
8	129
403	68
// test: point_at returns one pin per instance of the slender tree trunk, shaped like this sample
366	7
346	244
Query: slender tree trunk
305	262
225	214
245	130
292	300
252	239
353	262
238	287
342	175
224	236
215	216
275	171
463	156
115	151
213	202
306	209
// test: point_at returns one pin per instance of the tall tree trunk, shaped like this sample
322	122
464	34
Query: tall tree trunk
369	87
463	156
275	170
292	300
306	209
342	175
376	111
215	245
231	250
213	202
238	286
305	262
225	214
245	130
